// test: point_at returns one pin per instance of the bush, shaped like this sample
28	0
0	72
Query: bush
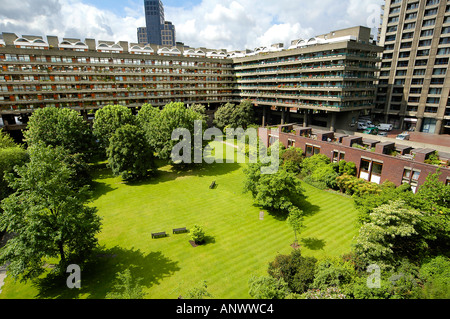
198	234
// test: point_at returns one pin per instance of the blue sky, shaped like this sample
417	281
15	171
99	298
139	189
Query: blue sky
218	24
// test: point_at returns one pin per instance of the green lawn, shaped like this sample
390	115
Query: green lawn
238	244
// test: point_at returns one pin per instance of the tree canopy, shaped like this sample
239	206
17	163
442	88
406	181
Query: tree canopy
47	215
60	127
129	154
108	119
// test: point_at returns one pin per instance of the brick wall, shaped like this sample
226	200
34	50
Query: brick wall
393	167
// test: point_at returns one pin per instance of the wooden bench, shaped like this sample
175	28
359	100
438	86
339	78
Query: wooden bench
158	235
213	184
180	230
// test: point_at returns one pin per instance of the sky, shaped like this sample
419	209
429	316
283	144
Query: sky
215	24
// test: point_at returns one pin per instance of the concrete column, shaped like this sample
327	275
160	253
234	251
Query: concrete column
264	116
283	114
419	124
288	115
333	122
305	118
438	129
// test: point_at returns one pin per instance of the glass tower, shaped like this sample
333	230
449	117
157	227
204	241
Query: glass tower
154	17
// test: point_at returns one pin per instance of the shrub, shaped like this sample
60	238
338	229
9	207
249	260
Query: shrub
198	234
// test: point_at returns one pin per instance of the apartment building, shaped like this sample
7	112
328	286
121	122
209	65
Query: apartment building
375	161
414	83
86	75
328	80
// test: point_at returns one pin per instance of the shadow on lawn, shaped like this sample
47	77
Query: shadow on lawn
197	170
313	243
98	276
301	202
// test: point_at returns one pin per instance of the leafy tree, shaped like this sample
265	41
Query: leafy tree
108	119
224	115
323	177
295	220
435	274
390	235
197	234
148	118
279	191
53	126
265	287
310	164
348	168
326	293
6	140
129	154
126	287
333	272
198	292
10	157
292	159
234	116
367	202
47	215
159	126
297	271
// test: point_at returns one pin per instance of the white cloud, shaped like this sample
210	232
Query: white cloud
227	24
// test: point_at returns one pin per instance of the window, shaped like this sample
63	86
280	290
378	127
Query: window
406	45
434	91
444	40
408	35
430	12
421	62
426	33
419	72
412	6
443	51
408	26
441	61
424	43
439	71
404	54
425	52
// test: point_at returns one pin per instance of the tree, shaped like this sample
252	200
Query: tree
198	292
292	159
435	274
126	287
159	126
108	119
333	272
234	116
224	115
297	271
47	215
265	287
279	191
53	126
295	220
390	235
10	157
6	140
129	154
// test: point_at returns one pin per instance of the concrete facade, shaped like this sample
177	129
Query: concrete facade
413	92
327	81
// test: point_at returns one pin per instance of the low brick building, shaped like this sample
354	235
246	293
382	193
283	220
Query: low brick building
375	161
